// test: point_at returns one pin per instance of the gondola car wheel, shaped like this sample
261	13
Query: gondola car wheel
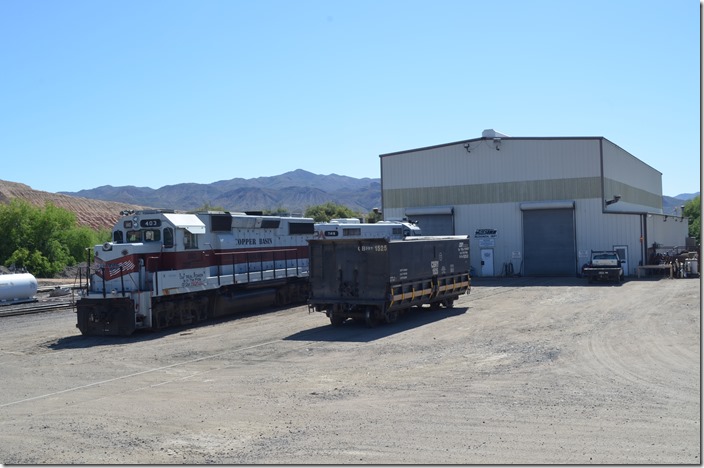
336	320
391	316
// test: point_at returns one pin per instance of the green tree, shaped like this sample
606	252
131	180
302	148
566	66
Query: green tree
208	207
81	238
327	211
692	210
280	211
375	216
43	240
16	218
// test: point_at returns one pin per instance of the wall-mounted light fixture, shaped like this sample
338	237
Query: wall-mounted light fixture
613	200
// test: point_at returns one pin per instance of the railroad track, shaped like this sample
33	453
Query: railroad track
34	308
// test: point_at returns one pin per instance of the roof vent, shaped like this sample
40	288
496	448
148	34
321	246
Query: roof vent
491	133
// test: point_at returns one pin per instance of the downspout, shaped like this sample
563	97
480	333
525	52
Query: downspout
601	169
644	240
381	173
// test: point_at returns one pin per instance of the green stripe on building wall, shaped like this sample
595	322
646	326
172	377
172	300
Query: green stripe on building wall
515	192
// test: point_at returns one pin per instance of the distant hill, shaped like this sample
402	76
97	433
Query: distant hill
293	191
672	205
686	196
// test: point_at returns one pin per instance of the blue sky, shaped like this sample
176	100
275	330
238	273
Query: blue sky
154	93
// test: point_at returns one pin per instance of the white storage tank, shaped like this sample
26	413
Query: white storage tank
18	287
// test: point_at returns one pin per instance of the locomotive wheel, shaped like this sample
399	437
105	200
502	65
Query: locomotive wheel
282	297
369	319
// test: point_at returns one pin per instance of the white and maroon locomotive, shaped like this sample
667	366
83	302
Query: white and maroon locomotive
165	269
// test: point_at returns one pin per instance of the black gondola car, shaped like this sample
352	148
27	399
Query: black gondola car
375	280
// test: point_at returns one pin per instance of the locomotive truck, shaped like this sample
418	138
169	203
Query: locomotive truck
376	280
164	268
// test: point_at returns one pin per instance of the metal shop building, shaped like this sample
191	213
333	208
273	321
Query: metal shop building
532	205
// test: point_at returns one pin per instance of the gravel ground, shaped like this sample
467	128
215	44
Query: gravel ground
529	371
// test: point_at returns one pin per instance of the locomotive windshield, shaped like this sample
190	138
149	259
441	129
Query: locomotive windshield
145	235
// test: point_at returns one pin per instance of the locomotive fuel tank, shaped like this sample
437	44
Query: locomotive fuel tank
18	287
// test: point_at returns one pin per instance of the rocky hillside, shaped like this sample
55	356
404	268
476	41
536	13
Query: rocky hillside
293	192
97	214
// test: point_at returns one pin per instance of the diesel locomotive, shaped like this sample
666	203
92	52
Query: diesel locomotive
165	269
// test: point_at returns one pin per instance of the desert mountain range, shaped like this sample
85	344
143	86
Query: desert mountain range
292	192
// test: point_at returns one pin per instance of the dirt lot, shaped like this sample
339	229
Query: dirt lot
530	371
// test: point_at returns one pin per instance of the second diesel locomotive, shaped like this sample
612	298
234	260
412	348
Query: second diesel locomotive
165	269
375	280
352	228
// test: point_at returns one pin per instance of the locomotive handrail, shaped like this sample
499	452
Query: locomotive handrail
122	281
247	257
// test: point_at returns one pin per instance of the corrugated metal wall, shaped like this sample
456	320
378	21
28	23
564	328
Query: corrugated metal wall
516	160
485	187
667	230
638	184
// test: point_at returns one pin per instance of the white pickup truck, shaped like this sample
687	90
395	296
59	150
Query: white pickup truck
605	265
